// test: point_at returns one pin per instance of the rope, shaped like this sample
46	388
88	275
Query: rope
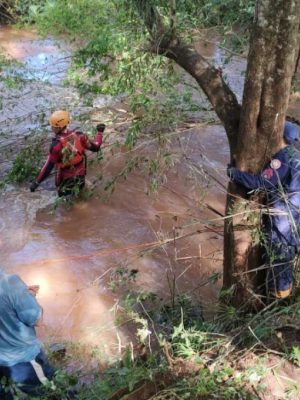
108	252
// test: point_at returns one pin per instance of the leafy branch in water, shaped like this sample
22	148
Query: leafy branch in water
27	163
112	59
10	72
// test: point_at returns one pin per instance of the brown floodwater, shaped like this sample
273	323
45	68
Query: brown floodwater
44	59
73	253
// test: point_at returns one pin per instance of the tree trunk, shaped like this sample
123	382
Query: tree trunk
271	61
254	132
297	61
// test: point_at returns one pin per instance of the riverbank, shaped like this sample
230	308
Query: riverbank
126	260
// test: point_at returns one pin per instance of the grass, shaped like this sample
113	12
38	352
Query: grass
202	357
192	359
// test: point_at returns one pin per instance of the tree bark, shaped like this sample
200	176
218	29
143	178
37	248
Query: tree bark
255	130
297	61
273	47
270	68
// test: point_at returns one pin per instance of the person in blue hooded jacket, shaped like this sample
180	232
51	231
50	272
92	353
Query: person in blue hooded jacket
22	360
280	179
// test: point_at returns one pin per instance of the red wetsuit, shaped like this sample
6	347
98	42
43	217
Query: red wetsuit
70	169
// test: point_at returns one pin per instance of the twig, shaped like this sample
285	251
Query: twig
263	345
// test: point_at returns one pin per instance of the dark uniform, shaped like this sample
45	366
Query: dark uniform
280	179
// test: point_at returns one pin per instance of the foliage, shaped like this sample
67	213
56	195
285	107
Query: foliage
153	166
226	13
222	383
295	355
293	391
58	389
124	374
10	72
5	63
111	41
77	18
21	10
214	351
27	163
111	60
121	277
207	13
194	341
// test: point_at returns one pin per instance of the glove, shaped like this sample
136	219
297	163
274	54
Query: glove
33	186
231	172
100	127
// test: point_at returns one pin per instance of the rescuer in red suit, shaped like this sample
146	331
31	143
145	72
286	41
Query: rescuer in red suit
67	155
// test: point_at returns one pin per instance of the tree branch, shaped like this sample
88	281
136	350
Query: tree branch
207	76
173	16
151	18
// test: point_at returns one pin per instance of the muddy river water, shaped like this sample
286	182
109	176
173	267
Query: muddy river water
73	253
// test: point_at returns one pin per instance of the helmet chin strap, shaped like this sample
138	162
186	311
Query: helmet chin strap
57	130
62	129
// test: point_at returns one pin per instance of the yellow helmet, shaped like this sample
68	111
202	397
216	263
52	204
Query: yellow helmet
59	119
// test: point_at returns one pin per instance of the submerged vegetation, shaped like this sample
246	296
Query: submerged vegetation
179	352
109	61
27	163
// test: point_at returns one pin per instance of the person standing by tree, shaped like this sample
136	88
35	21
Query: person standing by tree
22	360
280	179
275	25
67	155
